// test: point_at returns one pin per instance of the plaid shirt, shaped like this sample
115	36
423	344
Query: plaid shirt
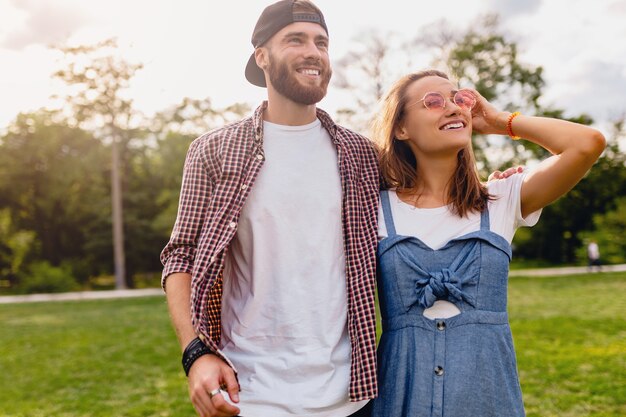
220	169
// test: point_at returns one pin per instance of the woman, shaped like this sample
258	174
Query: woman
446	348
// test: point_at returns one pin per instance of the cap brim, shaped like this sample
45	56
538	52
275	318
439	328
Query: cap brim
254	74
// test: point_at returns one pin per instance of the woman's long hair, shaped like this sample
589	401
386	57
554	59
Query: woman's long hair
398	165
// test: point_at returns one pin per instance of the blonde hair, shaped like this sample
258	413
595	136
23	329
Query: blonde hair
398	165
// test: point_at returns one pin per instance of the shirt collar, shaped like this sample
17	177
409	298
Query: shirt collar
324	117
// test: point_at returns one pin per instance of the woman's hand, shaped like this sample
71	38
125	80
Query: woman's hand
486	119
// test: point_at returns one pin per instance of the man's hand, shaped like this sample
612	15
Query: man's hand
499	175
208	375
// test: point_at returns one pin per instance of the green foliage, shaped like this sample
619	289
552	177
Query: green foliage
168	160
55	203
485	59
558	237
15	246
45	278
53	183
609	231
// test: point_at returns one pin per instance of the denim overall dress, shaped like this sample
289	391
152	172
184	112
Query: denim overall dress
462	366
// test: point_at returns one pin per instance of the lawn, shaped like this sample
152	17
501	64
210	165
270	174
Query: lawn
120	357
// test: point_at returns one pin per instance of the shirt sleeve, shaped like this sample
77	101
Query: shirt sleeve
505	210
179	253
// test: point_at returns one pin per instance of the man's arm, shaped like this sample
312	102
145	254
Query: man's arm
179	304
208	373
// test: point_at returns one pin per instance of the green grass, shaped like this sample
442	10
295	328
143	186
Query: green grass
120	357
570	339
90	358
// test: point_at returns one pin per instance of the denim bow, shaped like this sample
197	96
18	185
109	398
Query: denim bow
439	285
447	283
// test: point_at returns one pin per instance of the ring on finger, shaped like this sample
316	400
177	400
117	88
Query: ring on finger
215	392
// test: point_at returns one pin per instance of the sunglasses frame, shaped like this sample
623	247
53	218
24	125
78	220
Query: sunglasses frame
445	100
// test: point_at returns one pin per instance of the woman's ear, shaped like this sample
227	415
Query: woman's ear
400	133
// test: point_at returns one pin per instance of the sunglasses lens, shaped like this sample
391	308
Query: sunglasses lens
465	99
434	101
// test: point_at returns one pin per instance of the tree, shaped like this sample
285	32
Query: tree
365	73
53	183
99	78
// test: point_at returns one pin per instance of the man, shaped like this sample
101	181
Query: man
270	269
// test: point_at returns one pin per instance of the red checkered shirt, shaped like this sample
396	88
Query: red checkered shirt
220	169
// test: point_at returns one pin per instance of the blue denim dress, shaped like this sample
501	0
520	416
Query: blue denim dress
456	367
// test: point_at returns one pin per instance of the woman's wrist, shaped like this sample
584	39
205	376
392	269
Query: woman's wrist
501	122
509	125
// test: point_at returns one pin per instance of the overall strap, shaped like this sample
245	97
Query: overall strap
484	220
384	198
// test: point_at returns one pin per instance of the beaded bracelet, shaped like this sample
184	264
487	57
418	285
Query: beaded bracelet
193	351
509	125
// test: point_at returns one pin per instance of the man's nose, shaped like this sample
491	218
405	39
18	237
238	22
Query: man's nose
312	51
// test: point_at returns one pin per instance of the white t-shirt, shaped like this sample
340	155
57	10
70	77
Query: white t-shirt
437	226
284	307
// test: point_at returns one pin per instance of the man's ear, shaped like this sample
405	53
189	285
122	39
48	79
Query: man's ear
261	56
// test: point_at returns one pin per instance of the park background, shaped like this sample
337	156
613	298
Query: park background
100	101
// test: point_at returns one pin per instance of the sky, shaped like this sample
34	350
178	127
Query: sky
199	48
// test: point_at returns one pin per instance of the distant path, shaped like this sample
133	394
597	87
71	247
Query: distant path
80	295
102	295
567	270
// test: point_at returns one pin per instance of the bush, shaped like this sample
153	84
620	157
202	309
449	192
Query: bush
45	278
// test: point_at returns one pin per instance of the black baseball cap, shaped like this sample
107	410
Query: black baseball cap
275	17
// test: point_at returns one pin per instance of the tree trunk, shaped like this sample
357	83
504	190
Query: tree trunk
118	226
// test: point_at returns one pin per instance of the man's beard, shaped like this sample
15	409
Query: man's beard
284	81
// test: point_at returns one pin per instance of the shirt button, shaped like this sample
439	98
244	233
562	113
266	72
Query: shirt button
441	325
213	258
259	157
232	225
438	371
243	187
